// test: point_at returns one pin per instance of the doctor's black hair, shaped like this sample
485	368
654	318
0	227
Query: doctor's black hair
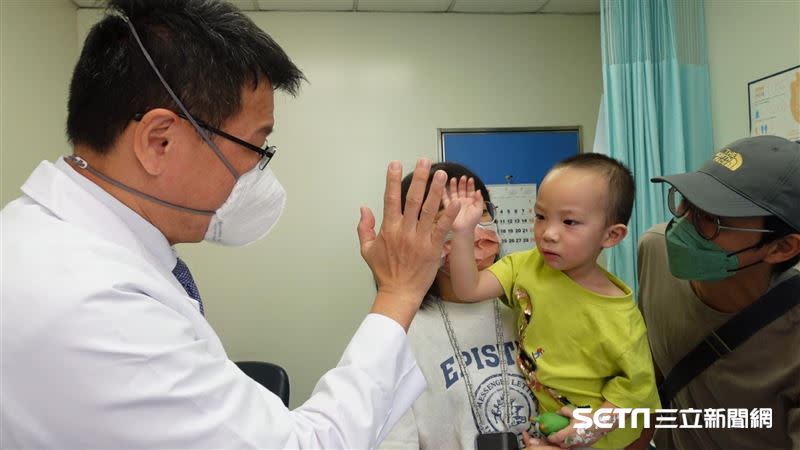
453	170
207	50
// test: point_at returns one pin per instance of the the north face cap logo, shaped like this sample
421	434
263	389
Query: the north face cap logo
729	159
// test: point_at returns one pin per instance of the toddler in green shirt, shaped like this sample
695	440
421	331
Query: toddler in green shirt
583	342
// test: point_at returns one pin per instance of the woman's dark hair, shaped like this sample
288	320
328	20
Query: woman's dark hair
453	170
207	50
782	229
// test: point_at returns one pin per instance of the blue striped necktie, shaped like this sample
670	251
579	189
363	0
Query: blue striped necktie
181	272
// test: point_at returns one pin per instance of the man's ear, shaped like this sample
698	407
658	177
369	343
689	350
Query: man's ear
614	235
152	137
783	249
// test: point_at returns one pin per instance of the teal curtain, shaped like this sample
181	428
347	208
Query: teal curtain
656	103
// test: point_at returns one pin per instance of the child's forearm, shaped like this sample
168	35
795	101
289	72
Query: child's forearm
587	435
463	269
613	419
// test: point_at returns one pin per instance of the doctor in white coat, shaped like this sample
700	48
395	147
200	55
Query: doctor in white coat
104	343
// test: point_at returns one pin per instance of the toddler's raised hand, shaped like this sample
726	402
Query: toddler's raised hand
463	192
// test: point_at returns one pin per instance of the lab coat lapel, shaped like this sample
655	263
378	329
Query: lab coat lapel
54	190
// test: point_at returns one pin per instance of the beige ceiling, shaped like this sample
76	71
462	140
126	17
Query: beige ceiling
449	6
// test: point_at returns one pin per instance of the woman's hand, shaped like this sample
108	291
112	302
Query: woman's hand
405	255
463	192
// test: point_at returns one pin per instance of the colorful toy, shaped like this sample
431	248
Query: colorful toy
550	422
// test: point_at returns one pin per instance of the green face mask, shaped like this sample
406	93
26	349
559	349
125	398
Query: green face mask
691	257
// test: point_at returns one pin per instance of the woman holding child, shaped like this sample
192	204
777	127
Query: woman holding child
583	340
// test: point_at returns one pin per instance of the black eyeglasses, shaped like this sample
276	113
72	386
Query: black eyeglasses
266	152
488	216
707	225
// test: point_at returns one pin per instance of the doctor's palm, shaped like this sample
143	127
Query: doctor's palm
404	255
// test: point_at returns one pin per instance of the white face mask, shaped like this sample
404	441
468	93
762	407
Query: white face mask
487	246
251	210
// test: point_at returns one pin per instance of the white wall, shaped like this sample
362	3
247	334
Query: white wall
747	40
37	54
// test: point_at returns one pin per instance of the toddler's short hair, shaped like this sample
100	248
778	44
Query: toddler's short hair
621	189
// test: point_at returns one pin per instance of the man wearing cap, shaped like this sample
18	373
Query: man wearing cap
735	235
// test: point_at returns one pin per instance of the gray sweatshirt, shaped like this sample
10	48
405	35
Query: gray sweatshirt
441	418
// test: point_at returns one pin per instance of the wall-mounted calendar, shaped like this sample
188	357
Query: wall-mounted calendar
514	214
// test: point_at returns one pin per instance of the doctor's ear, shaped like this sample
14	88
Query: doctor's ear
783	249
153	133
614	235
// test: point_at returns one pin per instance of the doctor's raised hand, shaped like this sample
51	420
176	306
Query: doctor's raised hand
405	254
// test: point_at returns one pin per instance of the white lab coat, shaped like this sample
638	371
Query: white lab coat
102	348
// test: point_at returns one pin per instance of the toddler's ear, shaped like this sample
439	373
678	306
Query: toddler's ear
614	235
